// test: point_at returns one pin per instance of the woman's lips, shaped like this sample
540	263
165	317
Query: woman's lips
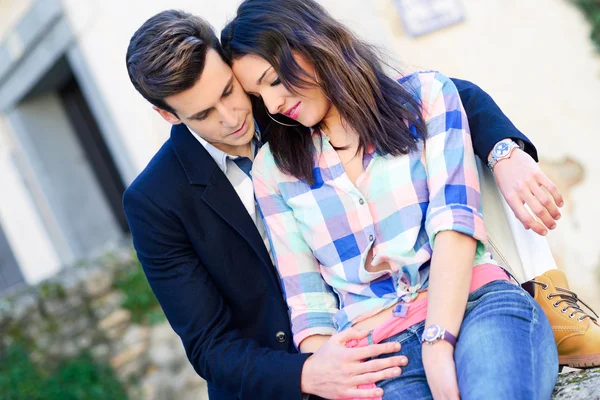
294	111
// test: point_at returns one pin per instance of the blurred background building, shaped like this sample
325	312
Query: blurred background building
74	133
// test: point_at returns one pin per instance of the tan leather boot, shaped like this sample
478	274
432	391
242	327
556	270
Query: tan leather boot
577	333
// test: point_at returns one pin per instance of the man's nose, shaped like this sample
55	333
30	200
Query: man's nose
229	117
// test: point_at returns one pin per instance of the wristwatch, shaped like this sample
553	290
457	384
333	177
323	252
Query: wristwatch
502	150
434	333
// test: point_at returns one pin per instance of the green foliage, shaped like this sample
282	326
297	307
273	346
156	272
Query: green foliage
19	377
52	290
79	378
591	9
13	330
84	378
139	298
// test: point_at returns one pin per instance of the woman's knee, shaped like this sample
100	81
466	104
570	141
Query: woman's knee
498	300
505	347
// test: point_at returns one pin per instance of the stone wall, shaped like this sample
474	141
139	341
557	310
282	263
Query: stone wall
81	309
578	385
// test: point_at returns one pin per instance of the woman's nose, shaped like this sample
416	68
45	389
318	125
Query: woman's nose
273	103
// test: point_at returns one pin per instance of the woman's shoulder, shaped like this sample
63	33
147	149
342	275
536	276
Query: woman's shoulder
427	86
265	170
423	79
264	158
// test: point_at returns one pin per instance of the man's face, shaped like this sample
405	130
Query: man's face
216	107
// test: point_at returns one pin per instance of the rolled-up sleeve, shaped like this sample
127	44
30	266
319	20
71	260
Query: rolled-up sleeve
310	299
454	193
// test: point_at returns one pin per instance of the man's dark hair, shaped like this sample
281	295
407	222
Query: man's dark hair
167	54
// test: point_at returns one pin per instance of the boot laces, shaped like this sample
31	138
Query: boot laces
571	300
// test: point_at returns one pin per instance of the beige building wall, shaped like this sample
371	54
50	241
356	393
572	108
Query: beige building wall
11	12
18	216
533	57
103	30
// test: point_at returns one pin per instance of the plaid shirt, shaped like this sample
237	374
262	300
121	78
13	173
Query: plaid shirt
321	234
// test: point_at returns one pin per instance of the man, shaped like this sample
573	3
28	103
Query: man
200	238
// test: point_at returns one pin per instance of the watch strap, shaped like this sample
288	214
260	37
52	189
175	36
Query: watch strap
434	333
448	337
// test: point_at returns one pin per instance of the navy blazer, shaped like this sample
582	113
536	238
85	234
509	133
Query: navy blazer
211	272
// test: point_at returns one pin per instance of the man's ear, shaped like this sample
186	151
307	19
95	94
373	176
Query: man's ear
167	116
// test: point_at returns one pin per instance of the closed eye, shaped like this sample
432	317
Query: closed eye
202	116
276	82
227	93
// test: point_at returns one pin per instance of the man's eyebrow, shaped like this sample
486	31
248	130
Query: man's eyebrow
258	82
199	114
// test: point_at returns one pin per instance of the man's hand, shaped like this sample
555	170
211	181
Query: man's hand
521	181
335	371
440	370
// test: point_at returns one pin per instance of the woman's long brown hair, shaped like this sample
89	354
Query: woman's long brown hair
349	71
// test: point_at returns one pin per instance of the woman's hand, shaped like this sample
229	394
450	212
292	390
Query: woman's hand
438	361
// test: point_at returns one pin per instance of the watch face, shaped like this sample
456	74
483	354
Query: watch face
431	333
501	149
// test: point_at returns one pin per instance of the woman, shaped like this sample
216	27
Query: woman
369	191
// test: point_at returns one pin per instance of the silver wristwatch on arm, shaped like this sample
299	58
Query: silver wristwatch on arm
502	150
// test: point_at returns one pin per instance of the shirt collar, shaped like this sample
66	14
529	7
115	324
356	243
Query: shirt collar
220	156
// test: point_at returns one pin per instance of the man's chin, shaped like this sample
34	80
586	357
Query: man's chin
249	135
242	140
251	127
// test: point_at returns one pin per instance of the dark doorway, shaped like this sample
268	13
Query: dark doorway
10	273
93	144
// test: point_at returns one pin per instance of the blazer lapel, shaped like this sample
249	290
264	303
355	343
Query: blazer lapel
219	195
222	198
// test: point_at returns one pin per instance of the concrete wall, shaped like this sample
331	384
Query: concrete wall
103	30
20	218
10	273
536	60
82	217
10	13
533	57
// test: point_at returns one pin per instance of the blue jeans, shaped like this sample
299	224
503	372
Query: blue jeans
505	350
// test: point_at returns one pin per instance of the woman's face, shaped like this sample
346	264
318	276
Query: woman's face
309	106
